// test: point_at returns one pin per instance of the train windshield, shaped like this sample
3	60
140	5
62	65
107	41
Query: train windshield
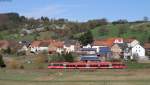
56	65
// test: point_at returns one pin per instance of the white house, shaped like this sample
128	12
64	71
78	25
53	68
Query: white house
69	48
56	47
139	51
87	46
133	43
38	46
134	49
24	48
69	45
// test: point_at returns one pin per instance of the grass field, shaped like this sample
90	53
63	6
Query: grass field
76	77
135	74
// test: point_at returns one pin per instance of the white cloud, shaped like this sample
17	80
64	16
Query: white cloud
49	11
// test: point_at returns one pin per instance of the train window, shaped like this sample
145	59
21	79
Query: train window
81	65
57	64
70	65
61	65
103	65
93	65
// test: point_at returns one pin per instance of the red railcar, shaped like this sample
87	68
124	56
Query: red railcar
89	65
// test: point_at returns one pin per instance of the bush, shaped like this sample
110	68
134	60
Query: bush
68	57
21	67
61	58
8	50
2	64
56	58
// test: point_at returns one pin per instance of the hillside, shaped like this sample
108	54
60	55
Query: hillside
16	27
140	31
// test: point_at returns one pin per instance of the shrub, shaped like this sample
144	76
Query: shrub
61	58
56	58
68	57
8	50
21	67
2	64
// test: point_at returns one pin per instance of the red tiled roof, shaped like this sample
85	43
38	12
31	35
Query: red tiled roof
44	44
4	43
35	43
128	40
55	43
104	42
147	45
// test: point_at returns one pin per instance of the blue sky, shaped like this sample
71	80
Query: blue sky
79	10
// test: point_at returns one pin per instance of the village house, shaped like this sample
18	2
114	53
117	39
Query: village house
127	50
101	43
134	50
56	47
39	46
138	51
134	43
24	45
87	46
105	53
43	46
116	51
97	44
50	46
34	46
147	48
71	46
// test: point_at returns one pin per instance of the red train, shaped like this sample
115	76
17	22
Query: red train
87	65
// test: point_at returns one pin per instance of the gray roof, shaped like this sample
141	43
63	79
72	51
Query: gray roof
123	45
89	58
88	49
70	42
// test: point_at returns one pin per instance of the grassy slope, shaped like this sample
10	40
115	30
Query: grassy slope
96	33
113	31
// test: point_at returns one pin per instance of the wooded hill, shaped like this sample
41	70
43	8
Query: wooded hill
12	24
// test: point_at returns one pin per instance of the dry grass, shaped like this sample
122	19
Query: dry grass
14	64
53	77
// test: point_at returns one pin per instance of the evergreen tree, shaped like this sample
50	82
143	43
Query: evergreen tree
86	38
